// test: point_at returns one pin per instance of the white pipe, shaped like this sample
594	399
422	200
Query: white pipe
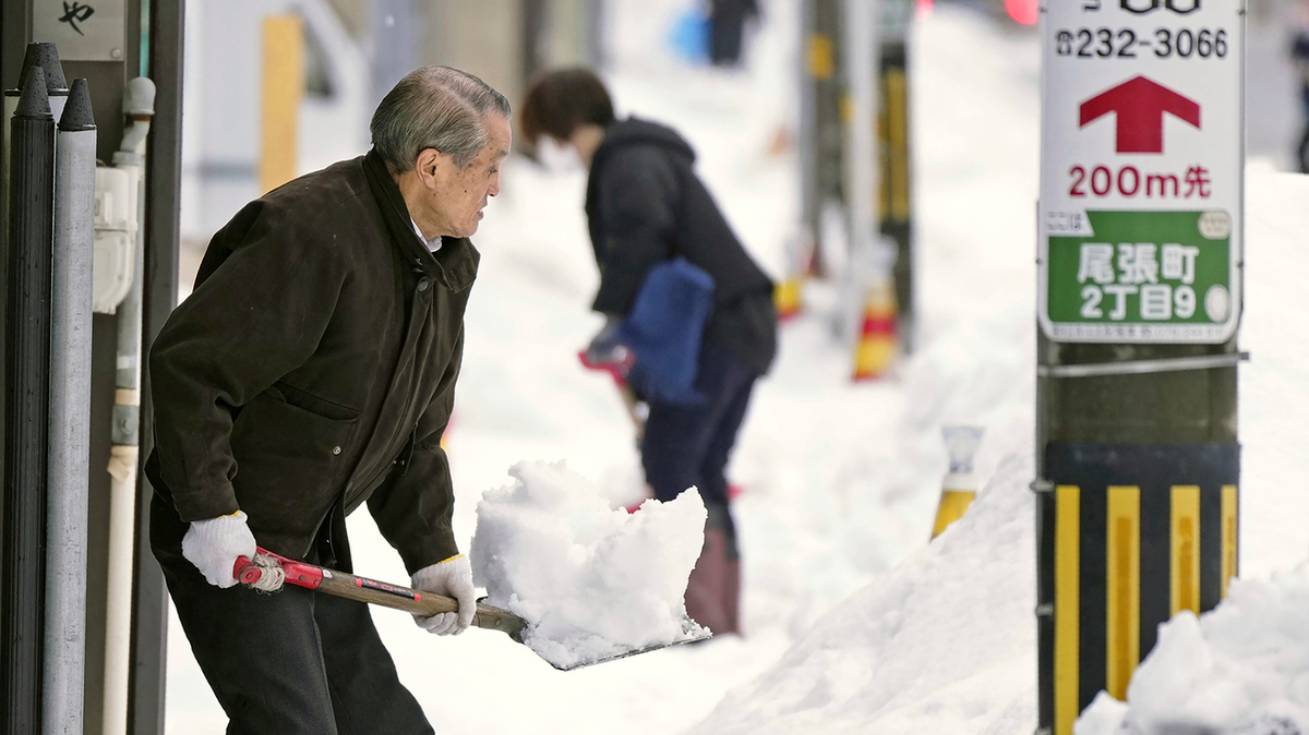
118	602
138	104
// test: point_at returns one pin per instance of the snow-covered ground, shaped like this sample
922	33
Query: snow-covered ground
854	623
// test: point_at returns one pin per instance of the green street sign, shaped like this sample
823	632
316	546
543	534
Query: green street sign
1141	221
1142	277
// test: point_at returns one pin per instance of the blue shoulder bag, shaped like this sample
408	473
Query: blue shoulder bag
664	331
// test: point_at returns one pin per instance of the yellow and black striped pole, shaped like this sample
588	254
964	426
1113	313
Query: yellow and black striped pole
1130	535
895	200
822	136
1137	453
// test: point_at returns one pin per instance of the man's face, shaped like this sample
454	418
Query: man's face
459	193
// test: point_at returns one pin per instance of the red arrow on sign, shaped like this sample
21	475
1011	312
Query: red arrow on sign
1140	105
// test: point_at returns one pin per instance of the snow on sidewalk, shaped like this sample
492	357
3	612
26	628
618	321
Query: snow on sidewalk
841	481
909	653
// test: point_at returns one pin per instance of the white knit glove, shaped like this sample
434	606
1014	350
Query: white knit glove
213	545
452	577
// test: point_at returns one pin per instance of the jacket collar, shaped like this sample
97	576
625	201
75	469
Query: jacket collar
454	265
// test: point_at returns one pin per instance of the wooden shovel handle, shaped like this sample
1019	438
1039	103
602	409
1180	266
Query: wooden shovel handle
373	592
418	602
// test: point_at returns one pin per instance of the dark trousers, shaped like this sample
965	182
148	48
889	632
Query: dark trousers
726	30
289	662
690	445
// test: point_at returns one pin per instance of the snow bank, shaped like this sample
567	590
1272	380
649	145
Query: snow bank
942	644
590	581
1242	668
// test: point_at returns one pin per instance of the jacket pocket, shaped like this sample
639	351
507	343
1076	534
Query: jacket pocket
312	403
290	462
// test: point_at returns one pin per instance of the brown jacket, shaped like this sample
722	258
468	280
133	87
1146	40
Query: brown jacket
313	368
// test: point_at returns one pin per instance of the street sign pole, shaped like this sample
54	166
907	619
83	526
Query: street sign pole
895	194
1140	232
822	129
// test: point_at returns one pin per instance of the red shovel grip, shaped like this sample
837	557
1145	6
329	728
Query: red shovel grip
298	573
246	572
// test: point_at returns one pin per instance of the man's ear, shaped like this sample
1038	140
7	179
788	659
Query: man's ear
427	165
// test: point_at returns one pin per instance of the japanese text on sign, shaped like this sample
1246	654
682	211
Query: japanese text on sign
1141	209
1161	275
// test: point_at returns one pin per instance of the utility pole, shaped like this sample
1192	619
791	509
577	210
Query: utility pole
821	126
1140	231
895	195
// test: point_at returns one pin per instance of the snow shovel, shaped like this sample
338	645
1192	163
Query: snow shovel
361	589
617	368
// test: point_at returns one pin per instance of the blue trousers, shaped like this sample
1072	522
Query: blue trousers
690	445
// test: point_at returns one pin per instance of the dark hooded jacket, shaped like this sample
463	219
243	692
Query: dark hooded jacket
313	369
644	205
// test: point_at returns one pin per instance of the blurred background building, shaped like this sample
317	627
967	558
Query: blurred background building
351	52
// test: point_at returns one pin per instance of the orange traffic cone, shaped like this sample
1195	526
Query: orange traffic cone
876	348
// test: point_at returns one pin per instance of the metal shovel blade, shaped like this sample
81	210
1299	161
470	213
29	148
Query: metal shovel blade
690	631
370	591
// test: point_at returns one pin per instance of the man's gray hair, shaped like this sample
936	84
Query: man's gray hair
434	107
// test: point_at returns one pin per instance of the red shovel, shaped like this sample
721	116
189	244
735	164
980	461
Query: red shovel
361	589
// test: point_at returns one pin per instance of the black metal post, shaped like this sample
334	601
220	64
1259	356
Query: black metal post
27	332
15	18
895	181
163	193
828	97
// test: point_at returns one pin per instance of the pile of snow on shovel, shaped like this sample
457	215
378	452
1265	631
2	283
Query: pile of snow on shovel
592	582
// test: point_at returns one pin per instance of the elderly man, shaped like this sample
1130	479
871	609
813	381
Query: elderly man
312	370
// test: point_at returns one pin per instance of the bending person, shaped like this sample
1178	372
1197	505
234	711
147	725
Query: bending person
311	371
645	206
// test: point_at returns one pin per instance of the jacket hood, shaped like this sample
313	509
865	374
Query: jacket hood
635	131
